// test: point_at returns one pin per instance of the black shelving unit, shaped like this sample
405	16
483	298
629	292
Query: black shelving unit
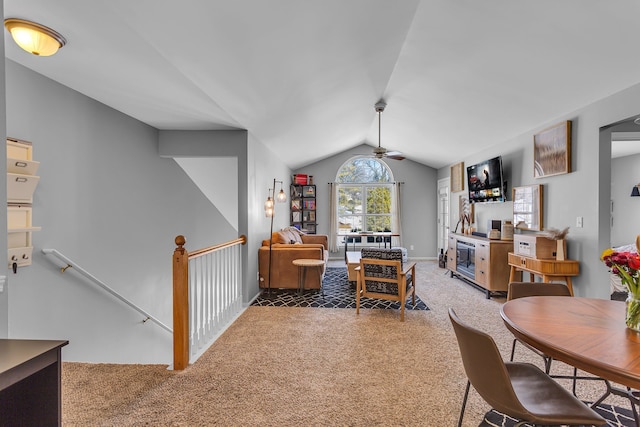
303	208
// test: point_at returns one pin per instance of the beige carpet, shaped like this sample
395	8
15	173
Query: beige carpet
304	366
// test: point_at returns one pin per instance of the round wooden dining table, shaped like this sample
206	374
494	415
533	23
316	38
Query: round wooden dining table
587	333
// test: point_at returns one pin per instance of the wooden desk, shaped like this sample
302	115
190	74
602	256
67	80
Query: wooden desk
30	383
548	269
587	333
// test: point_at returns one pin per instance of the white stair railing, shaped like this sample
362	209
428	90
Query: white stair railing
92	279
207	286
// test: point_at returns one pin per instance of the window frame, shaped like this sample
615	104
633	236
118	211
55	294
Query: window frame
365	188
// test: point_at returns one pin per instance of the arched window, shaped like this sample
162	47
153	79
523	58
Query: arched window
365	195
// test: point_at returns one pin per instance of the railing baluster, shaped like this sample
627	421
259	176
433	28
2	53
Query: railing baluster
213	282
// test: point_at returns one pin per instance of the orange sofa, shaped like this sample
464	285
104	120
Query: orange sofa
290	244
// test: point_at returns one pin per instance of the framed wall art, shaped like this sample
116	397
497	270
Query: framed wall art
457	177
552	151
527	207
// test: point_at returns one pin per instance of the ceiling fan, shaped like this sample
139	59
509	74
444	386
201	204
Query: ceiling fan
380	152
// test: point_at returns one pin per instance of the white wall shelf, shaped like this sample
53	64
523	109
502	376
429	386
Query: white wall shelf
21	184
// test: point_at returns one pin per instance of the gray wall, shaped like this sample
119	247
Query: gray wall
419	199
110	203
210	144
585	192
264	166
625	173
257	168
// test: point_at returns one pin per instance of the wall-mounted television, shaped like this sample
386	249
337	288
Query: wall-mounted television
485	181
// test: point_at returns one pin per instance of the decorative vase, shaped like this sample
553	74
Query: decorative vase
633	312
561	249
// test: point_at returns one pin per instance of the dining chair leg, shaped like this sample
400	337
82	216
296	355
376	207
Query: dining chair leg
513	350
464	403
632	401
359	285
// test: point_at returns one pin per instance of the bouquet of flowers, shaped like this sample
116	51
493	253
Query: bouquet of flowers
626	265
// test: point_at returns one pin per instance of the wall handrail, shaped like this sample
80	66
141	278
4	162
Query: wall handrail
204	251
93	279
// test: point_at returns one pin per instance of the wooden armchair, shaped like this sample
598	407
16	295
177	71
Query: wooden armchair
382	275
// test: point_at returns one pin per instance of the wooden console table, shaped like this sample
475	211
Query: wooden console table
548	269
30	382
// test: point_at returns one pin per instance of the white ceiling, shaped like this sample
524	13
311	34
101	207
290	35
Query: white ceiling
625	144
303	76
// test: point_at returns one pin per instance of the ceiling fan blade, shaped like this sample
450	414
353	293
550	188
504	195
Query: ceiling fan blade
396	155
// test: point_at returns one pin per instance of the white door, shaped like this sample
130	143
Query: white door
443	214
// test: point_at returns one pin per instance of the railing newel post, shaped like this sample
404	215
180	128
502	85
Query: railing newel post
180	305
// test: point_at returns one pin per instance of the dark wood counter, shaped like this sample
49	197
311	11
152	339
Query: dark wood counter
30	382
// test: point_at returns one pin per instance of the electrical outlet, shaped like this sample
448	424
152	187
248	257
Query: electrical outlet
411	247
579	222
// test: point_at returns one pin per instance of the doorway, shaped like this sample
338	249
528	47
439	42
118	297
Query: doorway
443	214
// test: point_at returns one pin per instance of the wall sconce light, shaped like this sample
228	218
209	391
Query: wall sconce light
635	192
34	38
269	211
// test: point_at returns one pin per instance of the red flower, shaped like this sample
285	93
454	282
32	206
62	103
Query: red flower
626	265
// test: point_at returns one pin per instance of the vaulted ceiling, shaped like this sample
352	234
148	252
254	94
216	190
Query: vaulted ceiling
303	76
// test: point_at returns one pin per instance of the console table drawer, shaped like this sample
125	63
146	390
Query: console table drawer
482	263
549	269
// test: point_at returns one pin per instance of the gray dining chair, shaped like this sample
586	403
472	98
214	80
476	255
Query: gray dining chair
520	390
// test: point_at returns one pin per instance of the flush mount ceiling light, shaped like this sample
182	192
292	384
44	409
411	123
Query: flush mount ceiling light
34	38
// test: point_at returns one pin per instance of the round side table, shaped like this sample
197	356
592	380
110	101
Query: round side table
303	265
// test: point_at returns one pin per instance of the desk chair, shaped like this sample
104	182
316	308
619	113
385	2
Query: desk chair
519	390
382	275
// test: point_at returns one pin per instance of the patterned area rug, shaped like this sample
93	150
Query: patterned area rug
615	416
338	293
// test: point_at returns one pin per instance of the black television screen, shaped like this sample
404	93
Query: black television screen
485	181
